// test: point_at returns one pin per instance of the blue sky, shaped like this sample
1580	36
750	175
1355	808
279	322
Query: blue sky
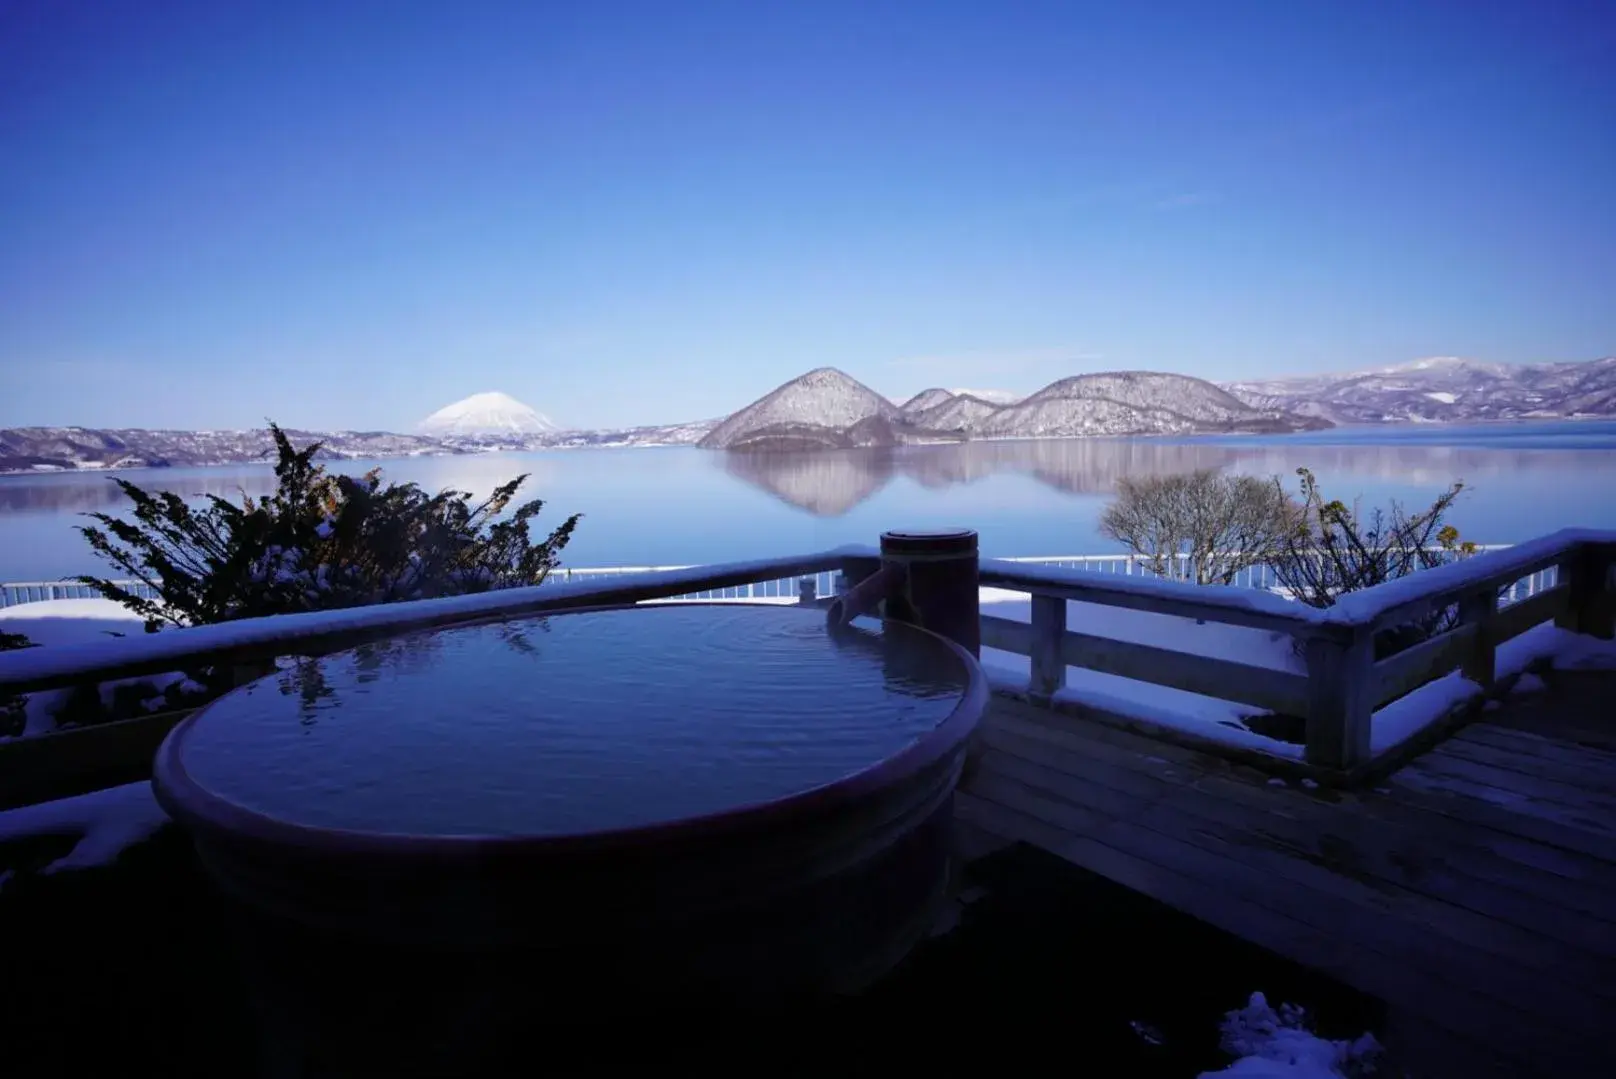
638	213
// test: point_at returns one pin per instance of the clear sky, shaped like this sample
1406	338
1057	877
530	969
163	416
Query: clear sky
348	215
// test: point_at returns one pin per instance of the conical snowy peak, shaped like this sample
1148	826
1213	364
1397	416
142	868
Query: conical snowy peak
486	414
823	398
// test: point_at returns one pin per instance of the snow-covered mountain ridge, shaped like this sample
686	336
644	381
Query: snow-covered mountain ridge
1443	389
829	409
69	449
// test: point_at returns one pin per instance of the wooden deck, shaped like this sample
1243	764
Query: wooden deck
1474	891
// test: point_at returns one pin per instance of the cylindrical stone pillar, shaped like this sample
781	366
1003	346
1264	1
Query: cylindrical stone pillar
938	589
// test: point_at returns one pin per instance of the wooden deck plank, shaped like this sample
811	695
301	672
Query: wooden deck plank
1434	777
1448	871
1236	909
1141	786
1442	862
1122	749
1530	743
1478	812
1524	841
1536	785
1565	766
1401	920
1478	874
1425	1049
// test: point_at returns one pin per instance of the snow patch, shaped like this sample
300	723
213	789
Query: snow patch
1443	396
107	822
1271	1044
70	621
1528	683
1544	643
992	397
1208	717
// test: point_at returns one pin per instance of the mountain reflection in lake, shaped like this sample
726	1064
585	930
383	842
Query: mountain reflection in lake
680	505
832	482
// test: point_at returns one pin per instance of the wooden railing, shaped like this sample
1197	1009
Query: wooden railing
68	762
16	593
1342	685
1344	682
251	642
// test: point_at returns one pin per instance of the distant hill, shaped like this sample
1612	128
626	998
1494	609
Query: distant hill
66	449
817	410
829	409
1444	389
71	449
925	399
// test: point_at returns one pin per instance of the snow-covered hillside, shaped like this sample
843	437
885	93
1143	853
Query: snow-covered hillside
962	412
997	397
68	449
925	399
1444	389
824	397
826	409
485	414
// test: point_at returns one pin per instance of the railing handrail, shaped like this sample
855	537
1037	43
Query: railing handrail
1163	595
319	632
1345	682
596	571
1343	685
1184	556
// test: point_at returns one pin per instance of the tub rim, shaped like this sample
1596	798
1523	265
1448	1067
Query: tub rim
205	813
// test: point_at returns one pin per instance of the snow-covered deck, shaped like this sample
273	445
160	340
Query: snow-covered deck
1474	891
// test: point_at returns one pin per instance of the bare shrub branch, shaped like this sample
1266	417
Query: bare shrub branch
1203	526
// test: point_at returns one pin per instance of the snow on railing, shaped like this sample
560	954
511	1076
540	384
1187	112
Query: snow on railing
1495	596
312	633
1260	577
1498	594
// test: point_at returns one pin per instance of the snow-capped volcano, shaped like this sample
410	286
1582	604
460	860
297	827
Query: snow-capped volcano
486	414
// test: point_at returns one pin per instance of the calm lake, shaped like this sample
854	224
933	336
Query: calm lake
683	505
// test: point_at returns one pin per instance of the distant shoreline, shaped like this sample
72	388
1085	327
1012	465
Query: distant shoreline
1344	433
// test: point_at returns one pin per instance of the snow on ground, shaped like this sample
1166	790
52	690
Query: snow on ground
1269	1044
1561	649
58	623
1193	713
107	823
1221	720
70	621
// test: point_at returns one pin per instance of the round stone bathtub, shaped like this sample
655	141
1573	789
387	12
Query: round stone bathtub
673	805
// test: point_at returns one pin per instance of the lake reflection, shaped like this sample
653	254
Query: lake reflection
679	506
831	483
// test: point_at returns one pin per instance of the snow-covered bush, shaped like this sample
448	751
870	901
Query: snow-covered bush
320	541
